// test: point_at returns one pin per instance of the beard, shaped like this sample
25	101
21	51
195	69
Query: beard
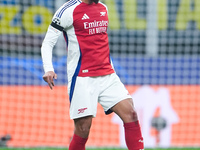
96	1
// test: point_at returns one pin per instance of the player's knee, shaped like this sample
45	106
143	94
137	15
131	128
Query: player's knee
134	115
82	127
131	115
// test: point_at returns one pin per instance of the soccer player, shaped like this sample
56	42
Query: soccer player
91	76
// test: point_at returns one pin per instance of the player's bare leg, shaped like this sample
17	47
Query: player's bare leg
81	133
125	110
82	126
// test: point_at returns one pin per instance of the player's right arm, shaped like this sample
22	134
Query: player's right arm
51	37
48	77
47	47
61	20
46	52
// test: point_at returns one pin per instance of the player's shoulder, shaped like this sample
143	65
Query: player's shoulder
103	5
68	6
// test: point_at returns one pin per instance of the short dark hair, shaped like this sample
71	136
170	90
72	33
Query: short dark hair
96	1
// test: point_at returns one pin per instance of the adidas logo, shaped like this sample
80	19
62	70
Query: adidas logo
85	16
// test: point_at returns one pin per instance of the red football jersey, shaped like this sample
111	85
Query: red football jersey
85	30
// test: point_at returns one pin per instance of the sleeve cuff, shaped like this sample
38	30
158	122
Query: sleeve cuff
48	69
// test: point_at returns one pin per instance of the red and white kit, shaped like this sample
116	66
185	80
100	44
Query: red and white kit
85	31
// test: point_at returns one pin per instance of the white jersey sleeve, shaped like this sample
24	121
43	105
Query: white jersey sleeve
62	19
47	47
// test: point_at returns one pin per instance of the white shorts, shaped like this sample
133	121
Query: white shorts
86	92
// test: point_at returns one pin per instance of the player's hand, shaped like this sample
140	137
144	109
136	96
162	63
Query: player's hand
48	77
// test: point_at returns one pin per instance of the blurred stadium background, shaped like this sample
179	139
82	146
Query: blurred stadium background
155	48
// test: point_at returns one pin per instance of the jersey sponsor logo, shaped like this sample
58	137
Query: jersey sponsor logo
94	24
82	110
102	13
85	16
97	30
